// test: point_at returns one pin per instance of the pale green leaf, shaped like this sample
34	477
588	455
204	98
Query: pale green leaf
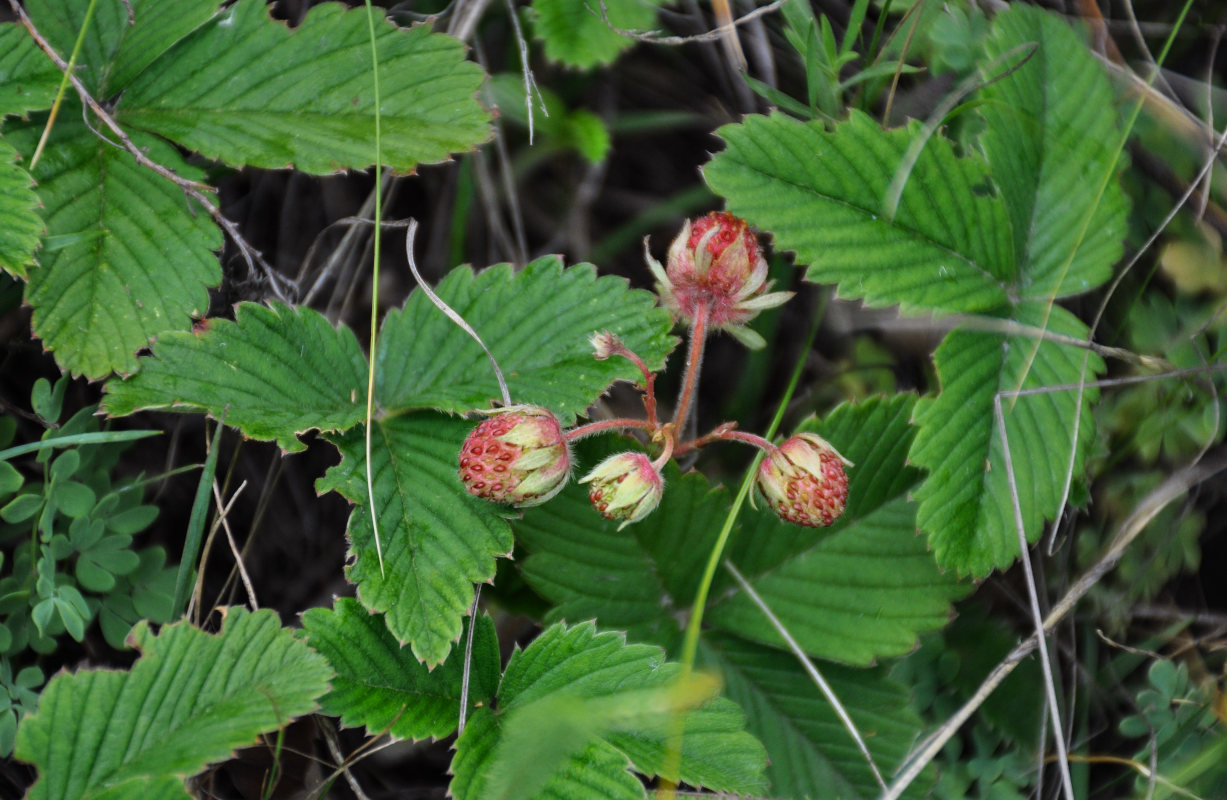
812	753
190	699
855	592
603	673
20	224
597	772
28	79
575	33
139	253
1051	144
114	51
437	539
965	503
273	373
381	686
822	194
536	322
247	89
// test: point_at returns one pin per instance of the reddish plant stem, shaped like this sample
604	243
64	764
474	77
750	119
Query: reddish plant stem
694	360
607	425
649	398
726	433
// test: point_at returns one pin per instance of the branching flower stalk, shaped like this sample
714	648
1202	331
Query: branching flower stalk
716	279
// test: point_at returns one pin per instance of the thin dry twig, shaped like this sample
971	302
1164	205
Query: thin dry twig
810	670
198	590
200	192
1173	487
655	37
234	550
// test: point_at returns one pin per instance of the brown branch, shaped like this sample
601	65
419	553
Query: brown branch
197	191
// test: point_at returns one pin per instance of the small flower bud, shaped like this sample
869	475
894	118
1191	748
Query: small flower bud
518	456
625	487
804	481
716	261
604	345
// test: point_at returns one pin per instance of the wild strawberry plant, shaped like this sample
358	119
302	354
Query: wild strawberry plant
680	635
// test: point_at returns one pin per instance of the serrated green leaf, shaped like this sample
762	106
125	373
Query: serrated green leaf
812	753
536	322
234	90
190	699
382	687
100	298
965	505
115	48
437	539
598	772
866	587
855	592
274	372
578	664
822	194
20	224
1051	144
28	79
574	32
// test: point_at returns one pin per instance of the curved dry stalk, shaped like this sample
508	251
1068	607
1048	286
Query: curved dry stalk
656	38
810	669
1173	487
1050	687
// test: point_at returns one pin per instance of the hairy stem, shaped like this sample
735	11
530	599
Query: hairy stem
694	361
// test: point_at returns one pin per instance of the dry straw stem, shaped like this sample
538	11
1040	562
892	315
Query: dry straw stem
222	511
1174	487
719	33
197	191
810	670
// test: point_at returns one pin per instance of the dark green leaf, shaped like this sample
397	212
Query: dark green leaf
234	89
381	686
437	539
190	699
273	373
536	322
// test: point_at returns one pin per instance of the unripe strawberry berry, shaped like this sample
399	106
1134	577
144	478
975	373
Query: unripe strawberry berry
625	487
804	481
518	456
716	261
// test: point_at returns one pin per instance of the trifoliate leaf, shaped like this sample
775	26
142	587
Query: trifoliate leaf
437	539
381	686
246	89
601	689
190	699
536	322
823	195
136	254
274	372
